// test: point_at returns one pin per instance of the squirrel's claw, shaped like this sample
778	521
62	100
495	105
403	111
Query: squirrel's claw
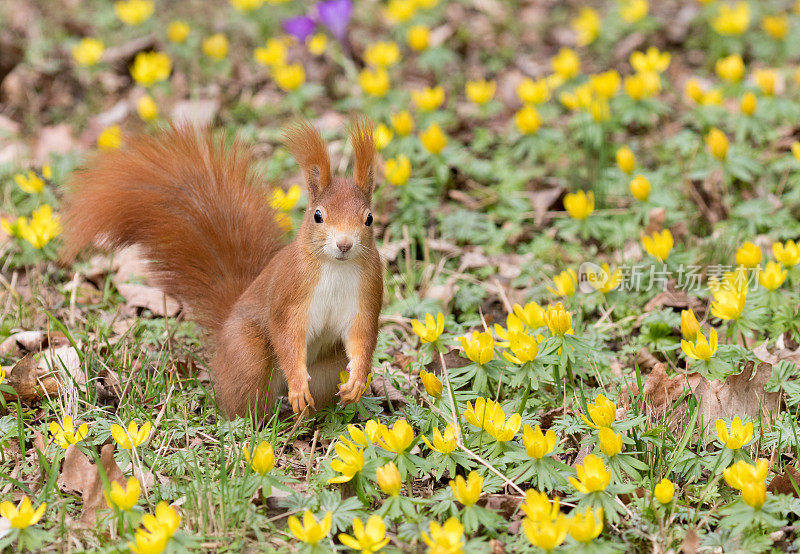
300	398
352	390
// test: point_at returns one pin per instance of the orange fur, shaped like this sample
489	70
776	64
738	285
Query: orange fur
194	206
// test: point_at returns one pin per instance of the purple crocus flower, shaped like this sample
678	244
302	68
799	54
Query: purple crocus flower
335	15
300	27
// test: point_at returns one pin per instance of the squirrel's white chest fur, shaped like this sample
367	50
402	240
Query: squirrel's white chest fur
333	307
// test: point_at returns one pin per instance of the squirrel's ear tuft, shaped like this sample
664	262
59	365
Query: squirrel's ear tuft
307	147
363	153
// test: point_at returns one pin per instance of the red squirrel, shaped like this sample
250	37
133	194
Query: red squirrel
309	307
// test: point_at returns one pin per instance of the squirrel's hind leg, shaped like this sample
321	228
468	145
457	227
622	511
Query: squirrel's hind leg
242	369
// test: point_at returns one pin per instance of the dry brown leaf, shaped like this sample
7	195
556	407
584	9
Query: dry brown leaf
79	475
151	298
786	483
31	341
56	139
65	361
660	391
741	395
30	382
691	542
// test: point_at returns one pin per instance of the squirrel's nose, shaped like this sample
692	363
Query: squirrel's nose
344	245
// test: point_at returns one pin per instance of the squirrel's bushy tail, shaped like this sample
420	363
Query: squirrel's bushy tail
192	203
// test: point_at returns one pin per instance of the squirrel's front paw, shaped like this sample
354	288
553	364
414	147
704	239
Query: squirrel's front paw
352	390
300	397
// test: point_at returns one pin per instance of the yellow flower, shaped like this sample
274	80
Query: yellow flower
374	82
559	320
749	103
730	68
776	26
146	108
349	462
602	413
24	515
652	60
748	255
402	122
640	188
605	280
311	531
317	43
772	276
741	472
788	253
398	438
133	437
564	283
389	480
289	77
600	109
610	442
382	136
273	54
382	54
445	539
467	491
263	459
728	304
285	200
592	475
664	491
579	205
42	227
689	325
537	506
433	139
88	51
178	31
400	11
586	25
428	99
750	480
693	90
134	12
165	521
368	435
47	172
533	92
2	375
766	80
527	120
659	244
149	542
151	67
216	46
123	499
712	97
110	138
546	534
432	384
369	538
514	324
634	10
442	443
717	143
30	182
587	525
525	348
65	433
246	5
703	348
479	347
635	86
538	444
605	84
754	494
488	415
397	171
732	20
738	436
566	64
532	315
418	37
480	92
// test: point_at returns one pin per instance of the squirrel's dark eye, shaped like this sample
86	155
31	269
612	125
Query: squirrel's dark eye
368	222
318	216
